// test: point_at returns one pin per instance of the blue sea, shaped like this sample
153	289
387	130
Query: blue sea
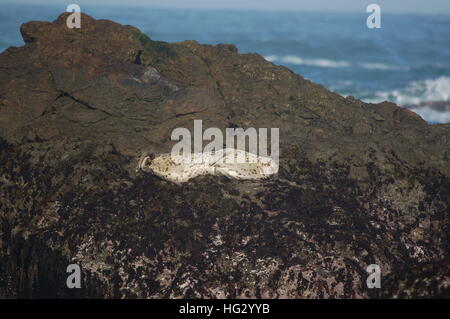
407	61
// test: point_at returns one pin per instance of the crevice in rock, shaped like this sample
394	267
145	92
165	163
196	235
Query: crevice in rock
188	113
65	94
84	103
137	59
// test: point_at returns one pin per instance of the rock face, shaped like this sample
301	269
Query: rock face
358	184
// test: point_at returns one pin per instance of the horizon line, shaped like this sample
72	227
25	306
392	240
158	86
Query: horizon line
134	5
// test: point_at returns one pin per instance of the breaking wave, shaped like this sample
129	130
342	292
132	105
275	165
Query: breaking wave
325	63
432	116
417	92
292	59
381	66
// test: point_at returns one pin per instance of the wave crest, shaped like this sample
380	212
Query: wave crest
432	116
417	92
326	63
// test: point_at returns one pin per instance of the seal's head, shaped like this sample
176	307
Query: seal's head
146	161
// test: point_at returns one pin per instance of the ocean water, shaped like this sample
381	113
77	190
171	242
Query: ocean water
407	61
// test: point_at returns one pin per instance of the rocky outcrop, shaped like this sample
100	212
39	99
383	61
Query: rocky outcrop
358	184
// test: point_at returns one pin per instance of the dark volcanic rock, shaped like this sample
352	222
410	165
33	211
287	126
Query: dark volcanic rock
359	183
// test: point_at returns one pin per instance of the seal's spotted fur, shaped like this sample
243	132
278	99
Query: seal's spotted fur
228	162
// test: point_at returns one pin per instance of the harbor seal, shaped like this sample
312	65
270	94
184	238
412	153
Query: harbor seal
232	163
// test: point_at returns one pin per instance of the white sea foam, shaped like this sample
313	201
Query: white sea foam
326	63
293	59
417	92
381	66
271	58
432	116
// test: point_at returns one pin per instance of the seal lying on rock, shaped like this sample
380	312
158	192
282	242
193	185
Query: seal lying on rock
228	162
